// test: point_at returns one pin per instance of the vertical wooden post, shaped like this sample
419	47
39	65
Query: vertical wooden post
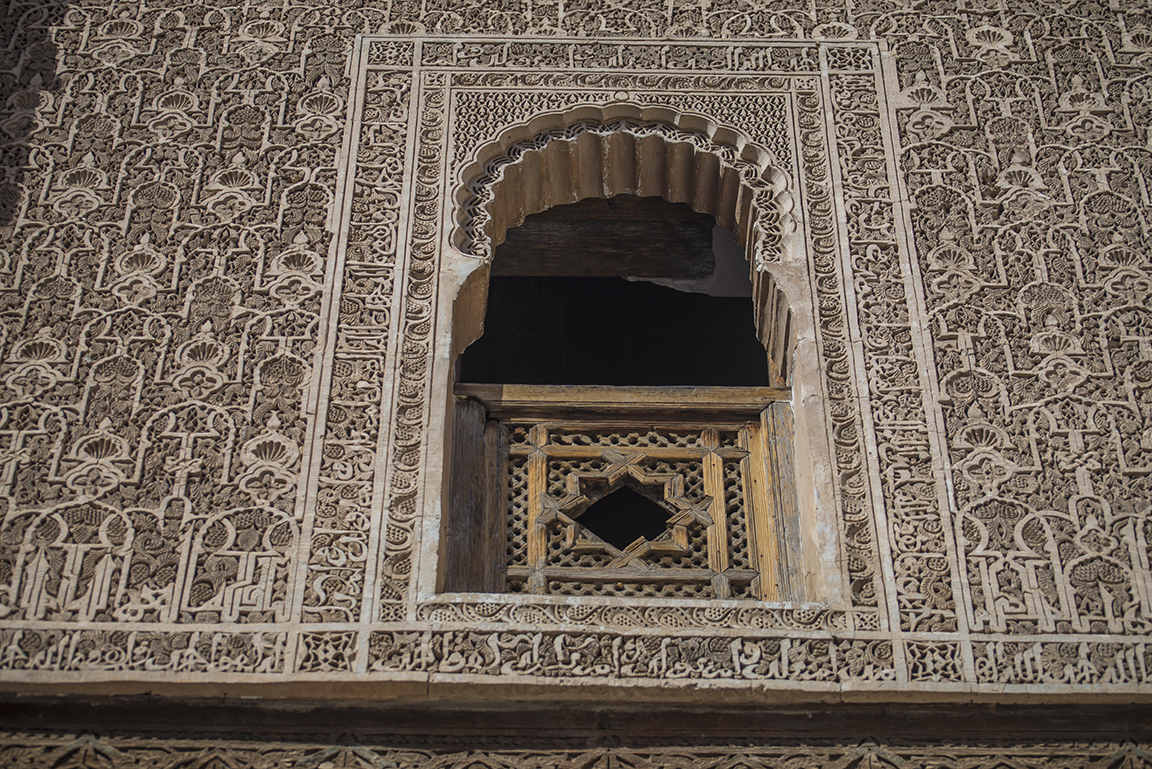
713	466
779	434
496	505
467	513
770	502
761	534
537	533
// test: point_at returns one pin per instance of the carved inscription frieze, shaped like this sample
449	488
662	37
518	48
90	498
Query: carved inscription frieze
129	752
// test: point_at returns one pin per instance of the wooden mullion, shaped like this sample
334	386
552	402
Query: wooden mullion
758	513
713	467
778	430
537	532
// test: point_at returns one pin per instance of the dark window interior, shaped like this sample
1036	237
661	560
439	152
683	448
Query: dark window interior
561	311
610	331
624	516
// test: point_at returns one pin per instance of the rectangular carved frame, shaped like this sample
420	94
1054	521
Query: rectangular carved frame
448	98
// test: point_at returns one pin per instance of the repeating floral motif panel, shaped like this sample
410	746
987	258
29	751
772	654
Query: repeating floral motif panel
163	275
216	329
1028	165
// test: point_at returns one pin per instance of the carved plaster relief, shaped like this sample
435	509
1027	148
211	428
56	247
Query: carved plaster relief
219	423
127	752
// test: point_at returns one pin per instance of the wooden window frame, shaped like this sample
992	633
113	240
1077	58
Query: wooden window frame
762	417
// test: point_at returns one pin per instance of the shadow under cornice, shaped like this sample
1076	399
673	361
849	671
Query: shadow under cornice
575	726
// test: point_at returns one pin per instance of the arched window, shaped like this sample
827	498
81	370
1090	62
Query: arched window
623	426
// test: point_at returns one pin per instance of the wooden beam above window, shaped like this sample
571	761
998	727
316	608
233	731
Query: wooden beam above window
621	237
709	404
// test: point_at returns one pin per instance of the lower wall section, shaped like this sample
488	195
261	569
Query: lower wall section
134	733
76	752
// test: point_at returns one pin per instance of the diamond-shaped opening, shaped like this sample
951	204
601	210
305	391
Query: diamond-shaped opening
623	516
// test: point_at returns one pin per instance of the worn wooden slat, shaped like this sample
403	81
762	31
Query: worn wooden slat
758	513
467	516
656	404
714	488
779	433
537	535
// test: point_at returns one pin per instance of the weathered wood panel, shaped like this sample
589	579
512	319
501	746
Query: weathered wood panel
640	237
592	402
468	509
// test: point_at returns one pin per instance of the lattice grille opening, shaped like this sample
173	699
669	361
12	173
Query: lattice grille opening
517	496
568	502
738	556
623	516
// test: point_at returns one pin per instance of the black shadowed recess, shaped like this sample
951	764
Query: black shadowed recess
609	331
571	302
622	517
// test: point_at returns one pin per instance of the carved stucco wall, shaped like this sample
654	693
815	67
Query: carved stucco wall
223	231
125	753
